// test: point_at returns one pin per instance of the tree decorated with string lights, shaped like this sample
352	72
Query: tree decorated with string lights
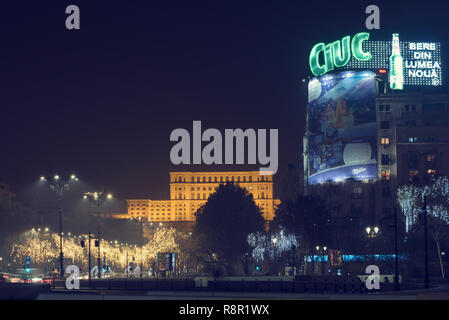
44	249
411	201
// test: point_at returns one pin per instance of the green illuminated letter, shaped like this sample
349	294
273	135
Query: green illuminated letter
328	58
357	49
314	60
342	51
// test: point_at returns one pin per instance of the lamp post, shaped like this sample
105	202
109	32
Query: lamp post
322	251
275	240
141	222
60	186
98	200
41	232
396	257
372	233
426	249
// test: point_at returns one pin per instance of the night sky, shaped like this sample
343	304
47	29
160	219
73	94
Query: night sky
102	101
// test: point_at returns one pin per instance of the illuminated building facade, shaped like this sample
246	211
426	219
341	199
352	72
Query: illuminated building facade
378	121
412	144
190	190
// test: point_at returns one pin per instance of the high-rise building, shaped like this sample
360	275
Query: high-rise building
190	190
412	145
375	122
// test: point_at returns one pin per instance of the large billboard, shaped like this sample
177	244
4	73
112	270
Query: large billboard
410	63
342	127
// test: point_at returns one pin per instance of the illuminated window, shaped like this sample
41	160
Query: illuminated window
431	171
386	175
413	175
385	141
413	139
431	158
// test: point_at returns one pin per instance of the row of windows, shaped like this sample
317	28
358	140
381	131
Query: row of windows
415	156
429	139
207	195
210	188
413	174
220	179
387	108
385	125
146	205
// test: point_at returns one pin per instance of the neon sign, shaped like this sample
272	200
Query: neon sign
407	63
338	54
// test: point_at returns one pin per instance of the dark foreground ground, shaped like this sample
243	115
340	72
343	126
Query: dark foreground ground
9	291
195	295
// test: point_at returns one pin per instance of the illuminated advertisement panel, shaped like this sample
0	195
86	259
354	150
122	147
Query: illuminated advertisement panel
342	127
409	63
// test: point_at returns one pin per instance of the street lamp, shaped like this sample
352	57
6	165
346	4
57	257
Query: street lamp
60	186
322	250
372	233
98	200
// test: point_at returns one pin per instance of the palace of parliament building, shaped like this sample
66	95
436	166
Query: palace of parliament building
190	190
